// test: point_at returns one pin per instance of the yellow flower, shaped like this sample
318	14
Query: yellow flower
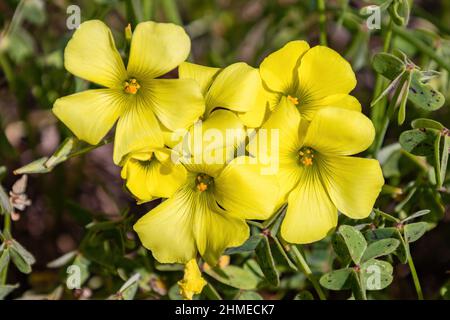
134	95
207	213
152	174
192	282
237	88
316	173
310	78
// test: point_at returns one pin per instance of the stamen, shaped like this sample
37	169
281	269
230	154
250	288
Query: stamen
131	86
306	156
294	100
203	182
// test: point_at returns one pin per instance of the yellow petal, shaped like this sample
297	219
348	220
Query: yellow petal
157	48
90	114
152	178
339	132
92	55
279	69
245	191
340	100
192	282
234	88
257	114
353	184
167	229
220	130
211	169
215	230
324	72
203	75
285	120
310	214
177	103
137	129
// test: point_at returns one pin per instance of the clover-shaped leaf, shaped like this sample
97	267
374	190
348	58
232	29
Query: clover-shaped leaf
338	279
414	231
355	242
376	274
380	248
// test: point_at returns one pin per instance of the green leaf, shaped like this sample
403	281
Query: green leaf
83	263
267	263
174	292
7	289
404	95
248	246
337	279
37	166
4	259
385	233
21	258
423	95
20	262
282	255
304	295
418	142
340	248
380	248
248	295
24	253
399	12
210	292
235	277
426	123
129	288
444	158
388	65
62	261
70	147
416	215
5	204
414	231
355	242
376	274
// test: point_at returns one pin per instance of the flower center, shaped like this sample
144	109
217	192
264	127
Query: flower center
131	86
306	156
203	182
292	99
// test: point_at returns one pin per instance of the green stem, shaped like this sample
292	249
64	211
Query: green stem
379	116
437	161
7	235
322	22
414	275
302	265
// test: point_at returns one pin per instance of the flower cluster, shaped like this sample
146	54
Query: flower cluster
298	92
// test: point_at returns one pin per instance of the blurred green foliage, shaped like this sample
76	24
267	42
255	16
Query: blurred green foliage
81	215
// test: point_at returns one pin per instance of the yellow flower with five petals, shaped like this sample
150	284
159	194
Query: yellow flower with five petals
207	213
136	97
316	174
311	78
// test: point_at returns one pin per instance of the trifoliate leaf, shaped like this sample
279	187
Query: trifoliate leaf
418	142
